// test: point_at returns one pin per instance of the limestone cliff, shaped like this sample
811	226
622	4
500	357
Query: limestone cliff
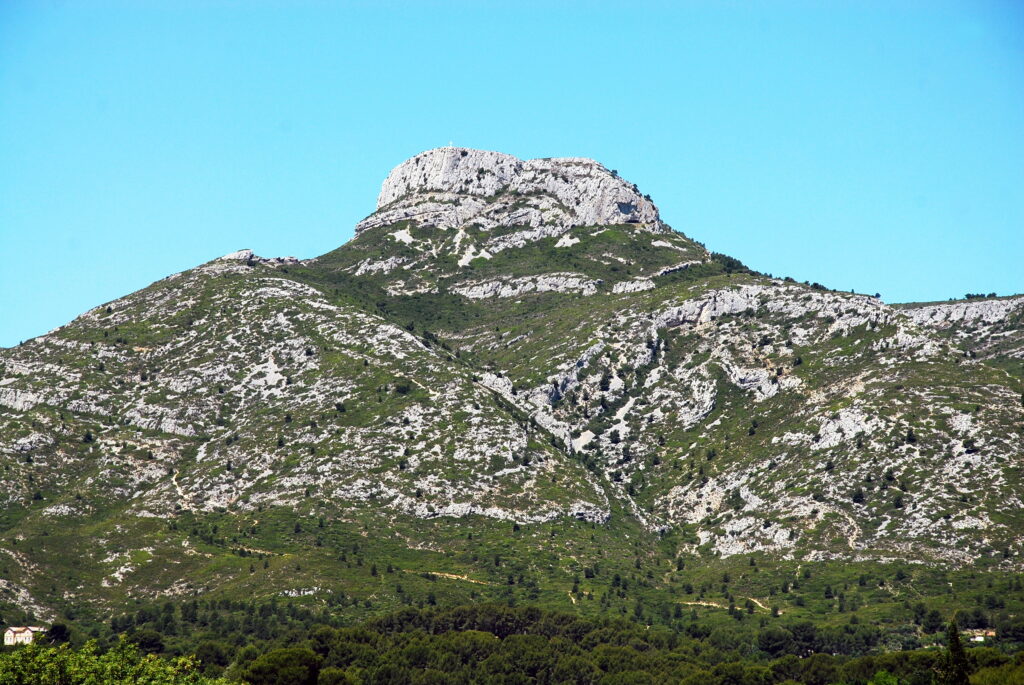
453	187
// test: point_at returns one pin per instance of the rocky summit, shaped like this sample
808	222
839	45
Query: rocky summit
513	376
455	188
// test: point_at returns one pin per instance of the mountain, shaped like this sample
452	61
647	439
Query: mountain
515	379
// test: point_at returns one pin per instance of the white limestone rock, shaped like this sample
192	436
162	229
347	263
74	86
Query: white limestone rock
19	400
967	312
453	187
248	256
387	265
635	285
514	287
845	426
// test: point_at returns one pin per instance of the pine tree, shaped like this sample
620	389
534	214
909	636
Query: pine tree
954	669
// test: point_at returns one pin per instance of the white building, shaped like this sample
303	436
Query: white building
21	635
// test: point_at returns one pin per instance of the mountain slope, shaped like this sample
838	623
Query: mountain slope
771	415
501	341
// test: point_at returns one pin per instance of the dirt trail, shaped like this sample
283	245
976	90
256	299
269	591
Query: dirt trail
703	604
256	550
182	497
715	605
851	537
451	576
757	602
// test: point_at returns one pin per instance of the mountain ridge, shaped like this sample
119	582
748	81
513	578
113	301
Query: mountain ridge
484	356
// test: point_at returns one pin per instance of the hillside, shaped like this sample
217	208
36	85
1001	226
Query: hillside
516	382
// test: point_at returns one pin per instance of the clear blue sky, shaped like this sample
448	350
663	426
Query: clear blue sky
869	145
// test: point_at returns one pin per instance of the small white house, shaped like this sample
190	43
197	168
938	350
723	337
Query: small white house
21	635
979	635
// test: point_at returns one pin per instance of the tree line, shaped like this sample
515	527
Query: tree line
494	643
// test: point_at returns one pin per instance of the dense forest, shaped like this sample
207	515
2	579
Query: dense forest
205	643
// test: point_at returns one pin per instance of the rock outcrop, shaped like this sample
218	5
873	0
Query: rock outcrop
985	327
983	312
453	187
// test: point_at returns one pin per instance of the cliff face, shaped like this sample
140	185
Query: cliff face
525	341
457	187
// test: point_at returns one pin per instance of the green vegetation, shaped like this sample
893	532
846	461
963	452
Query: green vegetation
489	643
123	664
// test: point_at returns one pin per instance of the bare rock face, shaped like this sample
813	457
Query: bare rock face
246	255
454	187
558	282
976	312
985	327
